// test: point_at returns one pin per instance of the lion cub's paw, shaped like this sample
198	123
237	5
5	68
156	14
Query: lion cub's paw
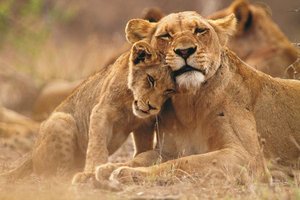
127	175
83	178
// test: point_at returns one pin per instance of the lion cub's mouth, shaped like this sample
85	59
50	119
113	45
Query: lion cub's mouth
187	68
140	112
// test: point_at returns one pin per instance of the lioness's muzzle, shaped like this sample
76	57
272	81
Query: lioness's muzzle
185	69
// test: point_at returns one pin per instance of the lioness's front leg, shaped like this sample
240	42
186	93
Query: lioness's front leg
232	153
191	165
145	159
100	130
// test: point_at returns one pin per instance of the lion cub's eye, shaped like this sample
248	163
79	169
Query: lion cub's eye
200	31
165	36
169	91
151	80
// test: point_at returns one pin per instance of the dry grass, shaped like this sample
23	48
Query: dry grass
168	186
66	59
37	188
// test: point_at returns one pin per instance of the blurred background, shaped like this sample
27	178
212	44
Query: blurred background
68	39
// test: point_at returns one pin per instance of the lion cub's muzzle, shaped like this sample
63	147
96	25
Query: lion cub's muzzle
143	110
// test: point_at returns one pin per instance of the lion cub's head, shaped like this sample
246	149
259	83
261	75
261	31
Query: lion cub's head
150	80
192	44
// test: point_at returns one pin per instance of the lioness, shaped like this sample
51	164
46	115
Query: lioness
224	108
258	40
99	115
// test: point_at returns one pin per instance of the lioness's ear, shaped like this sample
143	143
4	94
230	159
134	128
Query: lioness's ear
224	27
243	15
138	29
142	52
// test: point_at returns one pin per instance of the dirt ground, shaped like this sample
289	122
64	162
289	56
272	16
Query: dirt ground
57	188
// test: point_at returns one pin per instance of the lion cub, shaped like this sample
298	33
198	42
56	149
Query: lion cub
96	119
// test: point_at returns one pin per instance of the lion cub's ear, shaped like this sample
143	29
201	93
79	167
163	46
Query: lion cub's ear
224	27
138	29
142	52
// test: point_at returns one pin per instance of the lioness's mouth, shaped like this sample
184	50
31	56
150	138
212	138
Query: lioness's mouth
187	68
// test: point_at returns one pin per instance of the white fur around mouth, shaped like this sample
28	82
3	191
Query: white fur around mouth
190	79
140	113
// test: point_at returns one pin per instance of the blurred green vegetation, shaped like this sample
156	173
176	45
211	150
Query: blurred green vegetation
27	24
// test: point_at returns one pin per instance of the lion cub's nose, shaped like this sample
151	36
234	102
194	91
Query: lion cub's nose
185	53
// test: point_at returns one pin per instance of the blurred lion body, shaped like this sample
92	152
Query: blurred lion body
17	132
220	125
17	91
258	40
51	96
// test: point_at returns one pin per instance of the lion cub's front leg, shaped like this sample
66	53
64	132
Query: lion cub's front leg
144	154
100	130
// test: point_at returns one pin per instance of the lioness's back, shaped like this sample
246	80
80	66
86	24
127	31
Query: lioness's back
279	102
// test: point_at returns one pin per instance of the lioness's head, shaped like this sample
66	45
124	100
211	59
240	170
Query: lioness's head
192	44
150	80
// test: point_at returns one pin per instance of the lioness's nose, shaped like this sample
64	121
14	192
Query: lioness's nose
185	53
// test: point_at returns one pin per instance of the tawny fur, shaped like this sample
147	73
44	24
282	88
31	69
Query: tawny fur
95	120
220	125
17	132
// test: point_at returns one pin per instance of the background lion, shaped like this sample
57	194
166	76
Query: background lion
258	40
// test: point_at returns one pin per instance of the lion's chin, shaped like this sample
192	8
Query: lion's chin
191	79
144	114
140	114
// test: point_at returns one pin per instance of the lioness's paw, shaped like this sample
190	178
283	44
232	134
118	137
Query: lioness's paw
127	175
104	171
83	178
